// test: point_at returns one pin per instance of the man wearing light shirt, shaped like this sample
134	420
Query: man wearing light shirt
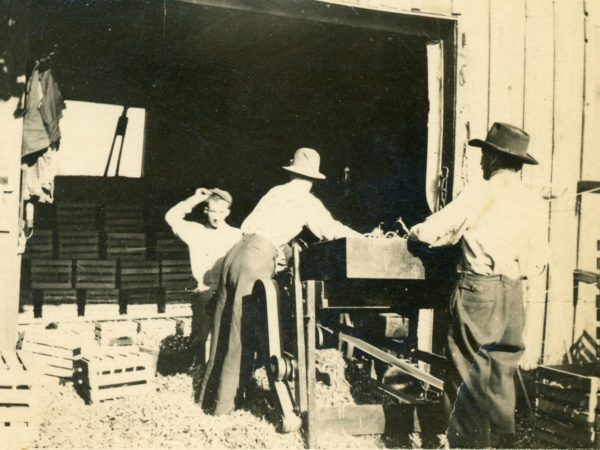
493	221
278	218
208	243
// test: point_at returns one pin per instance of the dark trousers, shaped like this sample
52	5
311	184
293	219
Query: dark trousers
201	325
230	365
485	345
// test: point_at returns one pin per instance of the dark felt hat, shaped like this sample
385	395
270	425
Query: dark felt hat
507	139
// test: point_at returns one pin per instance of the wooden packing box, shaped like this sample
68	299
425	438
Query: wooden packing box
78	244
178	295
567	405
99	296
169	246
55	351
51	274
95	274
361	258
113	372
40	245
126	246
139	274
116	333
124	218
176	274
18	395
76	216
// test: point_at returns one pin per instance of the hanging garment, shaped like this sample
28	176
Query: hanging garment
39	170
43	109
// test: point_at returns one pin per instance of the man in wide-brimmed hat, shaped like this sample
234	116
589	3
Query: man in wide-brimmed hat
279	217
492	220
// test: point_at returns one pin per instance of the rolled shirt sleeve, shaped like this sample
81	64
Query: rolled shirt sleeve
448	225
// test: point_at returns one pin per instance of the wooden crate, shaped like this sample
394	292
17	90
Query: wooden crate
126	246
178	295
18	395
51	274
95	274
116	333
566	405
99	296
168	246
55	351
76	216
176	274
40	245
123	218
135	275
78	244
112	373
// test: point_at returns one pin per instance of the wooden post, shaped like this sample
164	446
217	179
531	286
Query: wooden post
310	363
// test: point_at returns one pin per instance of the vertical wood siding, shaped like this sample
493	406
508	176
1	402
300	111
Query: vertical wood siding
534	63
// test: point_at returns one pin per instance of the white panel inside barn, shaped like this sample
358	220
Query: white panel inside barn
221	93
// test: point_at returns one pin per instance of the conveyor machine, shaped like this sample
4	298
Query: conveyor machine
350	274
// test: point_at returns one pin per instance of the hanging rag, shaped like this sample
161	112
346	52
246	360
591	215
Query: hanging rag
41	135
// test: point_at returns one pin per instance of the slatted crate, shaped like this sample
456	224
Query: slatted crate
123	218
116	333
55	351
125	245
18	395
169	246
566	405
95	274
99	296
178	295
76	216
40	245
176	274
51	274
112	373
78	244
143	274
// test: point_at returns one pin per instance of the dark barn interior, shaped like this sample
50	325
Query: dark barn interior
229	96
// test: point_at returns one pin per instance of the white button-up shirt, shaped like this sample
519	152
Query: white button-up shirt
282	212
207	245
495	220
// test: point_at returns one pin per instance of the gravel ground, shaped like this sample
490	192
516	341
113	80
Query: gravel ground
168	417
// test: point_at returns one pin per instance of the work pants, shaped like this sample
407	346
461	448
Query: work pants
230	365
485	345
201	325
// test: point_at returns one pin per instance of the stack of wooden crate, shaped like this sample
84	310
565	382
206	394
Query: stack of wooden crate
18	395
112	373
104	253
567	405
54	352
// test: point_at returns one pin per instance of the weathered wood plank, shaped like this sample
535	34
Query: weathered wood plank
472	89
538	122
507	61
568	94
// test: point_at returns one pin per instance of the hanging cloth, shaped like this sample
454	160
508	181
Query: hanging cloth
43	109
41	135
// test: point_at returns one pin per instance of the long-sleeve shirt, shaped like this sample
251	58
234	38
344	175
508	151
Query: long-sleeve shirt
282	212
495	222
207	245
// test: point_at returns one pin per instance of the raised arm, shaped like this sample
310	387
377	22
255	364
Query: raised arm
175	216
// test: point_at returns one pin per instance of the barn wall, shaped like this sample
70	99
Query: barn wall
534	63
